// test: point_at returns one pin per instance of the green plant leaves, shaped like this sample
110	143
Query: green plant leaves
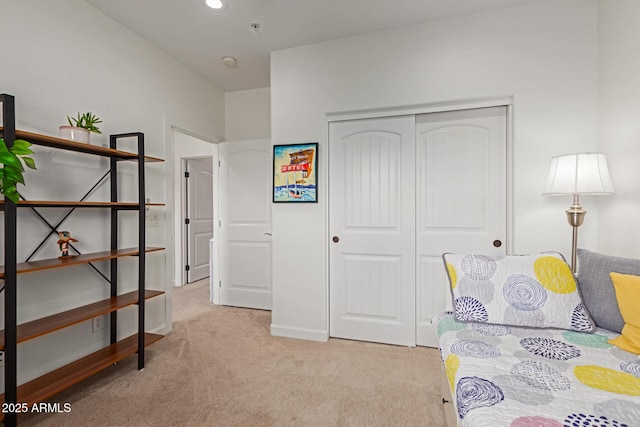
31	164
13	175
8	159
87	121
21	147
12	170
11	193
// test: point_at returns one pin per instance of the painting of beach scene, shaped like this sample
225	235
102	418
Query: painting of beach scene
295	172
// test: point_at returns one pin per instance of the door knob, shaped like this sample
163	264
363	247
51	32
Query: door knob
497	243
335	239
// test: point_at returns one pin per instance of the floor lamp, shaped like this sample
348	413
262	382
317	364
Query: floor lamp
576	174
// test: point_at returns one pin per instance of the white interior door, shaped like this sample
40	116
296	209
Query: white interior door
372	226
200	216
461	195
245	224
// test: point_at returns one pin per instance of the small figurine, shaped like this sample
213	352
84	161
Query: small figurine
64	237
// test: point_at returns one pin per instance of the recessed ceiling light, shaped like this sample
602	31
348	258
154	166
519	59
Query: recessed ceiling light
230	61
217	5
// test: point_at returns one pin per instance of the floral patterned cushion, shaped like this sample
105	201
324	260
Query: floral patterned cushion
538	291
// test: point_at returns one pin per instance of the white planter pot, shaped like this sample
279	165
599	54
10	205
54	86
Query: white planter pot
75	134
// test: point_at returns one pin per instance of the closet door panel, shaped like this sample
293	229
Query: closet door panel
461	199
372	230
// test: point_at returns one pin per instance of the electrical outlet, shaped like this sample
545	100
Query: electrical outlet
97	325
152	220
1	359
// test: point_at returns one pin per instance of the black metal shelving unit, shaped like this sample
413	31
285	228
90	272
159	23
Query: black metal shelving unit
10	271
51	383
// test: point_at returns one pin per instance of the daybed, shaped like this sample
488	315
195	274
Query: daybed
528	345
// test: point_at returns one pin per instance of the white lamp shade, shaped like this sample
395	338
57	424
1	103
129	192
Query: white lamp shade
582	173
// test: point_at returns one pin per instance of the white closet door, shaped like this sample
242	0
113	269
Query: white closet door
461	199
372	230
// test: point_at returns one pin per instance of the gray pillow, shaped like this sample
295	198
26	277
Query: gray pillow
597	290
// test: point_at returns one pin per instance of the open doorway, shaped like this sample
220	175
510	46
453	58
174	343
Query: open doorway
197	208
194	206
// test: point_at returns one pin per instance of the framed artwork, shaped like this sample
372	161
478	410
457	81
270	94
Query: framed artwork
295	173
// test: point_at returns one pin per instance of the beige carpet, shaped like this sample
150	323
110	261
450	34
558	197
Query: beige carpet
220	367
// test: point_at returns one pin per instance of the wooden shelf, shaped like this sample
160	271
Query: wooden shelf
81	147
49	384
55	322
76	204
55	381
46	264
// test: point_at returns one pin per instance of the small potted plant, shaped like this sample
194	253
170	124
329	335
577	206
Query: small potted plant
11	172
80	127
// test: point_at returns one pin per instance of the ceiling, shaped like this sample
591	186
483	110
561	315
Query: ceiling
199	37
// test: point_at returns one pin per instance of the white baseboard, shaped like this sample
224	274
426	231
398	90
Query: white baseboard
299	333
162	330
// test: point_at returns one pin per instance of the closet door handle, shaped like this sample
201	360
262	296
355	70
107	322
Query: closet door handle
335	239
497	243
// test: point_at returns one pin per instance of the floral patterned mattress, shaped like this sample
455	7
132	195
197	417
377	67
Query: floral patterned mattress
517	377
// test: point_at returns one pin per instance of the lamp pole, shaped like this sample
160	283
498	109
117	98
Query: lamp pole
575	216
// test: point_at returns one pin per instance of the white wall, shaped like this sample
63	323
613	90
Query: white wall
248	114
543	54
619	127
59	58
